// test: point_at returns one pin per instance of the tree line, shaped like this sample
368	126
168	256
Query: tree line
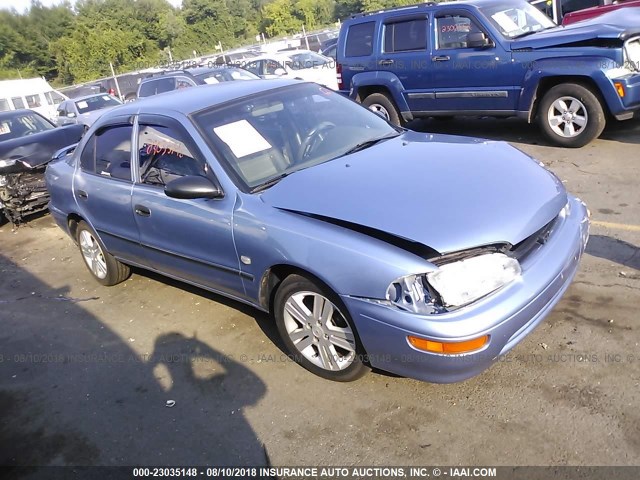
74	43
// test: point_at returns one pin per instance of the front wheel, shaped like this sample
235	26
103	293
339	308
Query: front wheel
571	115
383	106
104	267
317	330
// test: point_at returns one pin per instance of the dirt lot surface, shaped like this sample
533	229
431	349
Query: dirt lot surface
86	371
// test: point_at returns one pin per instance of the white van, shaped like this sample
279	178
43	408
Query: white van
33	93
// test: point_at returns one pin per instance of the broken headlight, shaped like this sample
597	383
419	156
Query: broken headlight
454	284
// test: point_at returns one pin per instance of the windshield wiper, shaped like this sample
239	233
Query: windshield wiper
368	143
269	183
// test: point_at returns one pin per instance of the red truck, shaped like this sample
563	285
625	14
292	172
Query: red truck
565	12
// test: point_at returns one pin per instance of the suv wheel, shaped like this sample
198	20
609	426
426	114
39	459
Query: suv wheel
317	330
381	104
571	115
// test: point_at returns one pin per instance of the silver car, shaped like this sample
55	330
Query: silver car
85	110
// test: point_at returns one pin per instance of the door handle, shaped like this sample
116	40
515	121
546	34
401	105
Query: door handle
386	62
441	58
142	211
82	194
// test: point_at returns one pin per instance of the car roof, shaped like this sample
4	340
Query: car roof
84	97
189	100
369	16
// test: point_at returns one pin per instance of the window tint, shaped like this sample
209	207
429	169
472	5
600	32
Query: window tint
405	36
453	31
360	40
33	101
156	86
4	105
108	153
568	6
18	103
254	67
164	157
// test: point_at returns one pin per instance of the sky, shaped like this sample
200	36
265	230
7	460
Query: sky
22	5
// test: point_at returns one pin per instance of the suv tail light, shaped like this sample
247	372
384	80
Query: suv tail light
339	76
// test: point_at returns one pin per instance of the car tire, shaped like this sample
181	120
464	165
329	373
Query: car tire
571	115
104	267
325	342
384	106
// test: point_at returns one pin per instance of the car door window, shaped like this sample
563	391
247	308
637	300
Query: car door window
33	101
163	156
183	82
405	36
453	31
108	153
270	67
254	67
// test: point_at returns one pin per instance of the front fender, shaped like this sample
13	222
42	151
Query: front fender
592	69
350	263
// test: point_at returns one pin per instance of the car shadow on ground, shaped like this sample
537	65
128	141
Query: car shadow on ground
73	392
615	250
516	130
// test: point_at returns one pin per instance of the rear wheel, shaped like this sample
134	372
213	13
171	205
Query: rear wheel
104	267
384	106
317	330
571	115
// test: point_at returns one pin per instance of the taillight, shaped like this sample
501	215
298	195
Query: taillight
339	76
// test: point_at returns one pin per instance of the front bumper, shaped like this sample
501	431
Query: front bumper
506	315
625	108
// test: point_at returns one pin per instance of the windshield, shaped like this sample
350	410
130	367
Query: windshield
96	103
307	60
272	134
517	20
22	124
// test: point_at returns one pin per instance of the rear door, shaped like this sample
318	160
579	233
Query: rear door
405	53
187	239
466	78
102	187
356	55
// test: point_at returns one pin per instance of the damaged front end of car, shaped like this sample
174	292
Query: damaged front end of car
22	189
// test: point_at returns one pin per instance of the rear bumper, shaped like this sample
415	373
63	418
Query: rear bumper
507	315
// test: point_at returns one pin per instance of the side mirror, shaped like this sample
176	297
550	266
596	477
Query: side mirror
478	40
280	72
192	186
71	115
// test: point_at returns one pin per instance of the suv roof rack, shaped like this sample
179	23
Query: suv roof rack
404	7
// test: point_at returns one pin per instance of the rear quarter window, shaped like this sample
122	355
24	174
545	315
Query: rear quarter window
156	86
360	40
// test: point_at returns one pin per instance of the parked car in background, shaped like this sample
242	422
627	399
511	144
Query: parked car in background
291	198
85	110
27	143
127	86
328	48
492	57
606	8
33	93
565	12
178	79
297	64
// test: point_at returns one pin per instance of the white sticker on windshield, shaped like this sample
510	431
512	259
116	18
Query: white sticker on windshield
4	128
106	97
505	22
211	80
242	138
82	104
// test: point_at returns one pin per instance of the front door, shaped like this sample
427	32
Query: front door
187	239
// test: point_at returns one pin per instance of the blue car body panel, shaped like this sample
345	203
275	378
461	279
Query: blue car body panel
347	223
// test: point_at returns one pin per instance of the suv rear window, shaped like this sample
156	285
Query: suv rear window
156	86
360	40
405	36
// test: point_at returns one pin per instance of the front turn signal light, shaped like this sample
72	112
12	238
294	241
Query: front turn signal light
619	88
448	348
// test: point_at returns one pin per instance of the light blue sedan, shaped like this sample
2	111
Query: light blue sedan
427	256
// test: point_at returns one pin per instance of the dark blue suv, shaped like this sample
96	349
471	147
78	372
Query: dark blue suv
493	57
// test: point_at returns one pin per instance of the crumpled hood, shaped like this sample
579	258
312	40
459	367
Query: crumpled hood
448	193
617	25
37	149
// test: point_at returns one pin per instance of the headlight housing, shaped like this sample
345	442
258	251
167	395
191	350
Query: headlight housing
7	163
454	284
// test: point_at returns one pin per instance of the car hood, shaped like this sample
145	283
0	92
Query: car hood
617	25
36	150
447	193
90	117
